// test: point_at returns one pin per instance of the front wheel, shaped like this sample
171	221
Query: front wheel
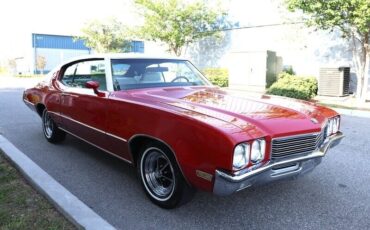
161	177
51	132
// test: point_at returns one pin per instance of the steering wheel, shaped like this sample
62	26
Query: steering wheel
180	77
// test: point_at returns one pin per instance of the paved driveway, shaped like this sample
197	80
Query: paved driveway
334	196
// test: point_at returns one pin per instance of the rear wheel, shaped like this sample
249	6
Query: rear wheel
51	131
161	177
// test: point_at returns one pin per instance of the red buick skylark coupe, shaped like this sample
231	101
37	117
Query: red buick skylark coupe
181	133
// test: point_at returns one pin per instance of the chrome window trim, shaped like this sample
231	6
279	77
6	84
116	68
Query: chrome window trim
65	66
108	74
68	91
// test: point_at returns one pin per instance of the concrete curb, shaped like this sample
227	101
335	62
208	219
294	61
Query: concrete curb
69	205
355	113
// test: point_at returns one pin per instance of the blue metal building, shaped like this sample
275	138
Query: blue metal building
59	48
55	49
137	47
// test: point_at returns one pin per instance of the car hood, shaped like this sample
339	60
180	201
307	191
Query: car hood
275	116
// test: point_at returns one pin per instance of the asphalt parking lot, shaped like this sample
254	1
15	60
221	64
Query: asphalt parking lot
336	195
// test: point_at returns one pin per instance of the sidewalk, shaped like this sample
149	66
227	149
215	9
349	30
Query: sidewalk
347	102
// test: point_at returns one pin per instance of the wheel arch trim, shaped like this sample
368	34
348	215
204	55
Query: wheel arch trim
160	141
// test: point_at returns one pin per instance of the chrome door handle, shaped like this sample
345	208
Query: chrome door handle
68	94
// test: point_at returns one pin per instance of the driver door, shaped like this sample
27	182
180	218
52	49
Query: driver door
83	112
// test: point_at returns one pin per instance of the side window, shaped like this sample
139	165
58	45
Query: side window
79	73
119	73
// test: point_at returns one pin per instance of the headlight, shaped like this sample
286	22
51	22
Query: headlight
258	151
330	127
333	126
241	156
336	125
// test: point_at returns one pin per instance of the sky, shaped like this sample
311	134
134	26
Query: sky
58	16
20	18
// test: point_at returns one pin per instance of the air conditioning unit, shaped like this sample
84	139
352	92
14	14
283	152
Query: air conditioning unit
334	81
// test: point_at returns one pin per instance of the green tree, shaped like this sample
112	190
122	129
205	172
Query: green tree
178	23
106	36
352	18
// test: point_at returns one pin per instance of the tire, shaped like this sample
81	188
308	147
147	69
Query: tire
161	177
51	131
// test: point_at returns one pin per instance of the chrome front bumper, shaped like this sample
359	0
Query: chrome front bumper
226	184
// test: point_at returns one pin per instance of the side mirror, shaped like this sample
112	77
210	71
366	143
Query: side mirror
94	85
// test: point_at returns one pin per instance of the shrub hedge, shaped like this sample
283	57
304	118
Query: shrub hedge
217	76
299	87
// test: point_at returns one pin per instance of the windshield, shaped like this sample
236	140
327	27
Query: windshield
149	73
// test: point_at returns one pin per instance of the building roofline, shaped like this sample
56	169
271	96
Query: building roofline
124	56
58	35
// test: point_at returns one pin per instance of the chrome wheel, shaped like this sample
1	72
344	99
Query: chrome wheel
50	129
157	174
48	125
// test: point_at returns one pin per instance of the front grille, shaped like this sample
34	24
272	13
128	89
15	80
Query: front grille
296	145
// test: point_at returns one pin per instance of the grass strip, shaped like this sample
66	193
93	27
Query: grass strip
21	207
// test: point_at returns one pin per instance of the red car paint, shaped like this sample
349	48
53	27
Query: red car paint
201	125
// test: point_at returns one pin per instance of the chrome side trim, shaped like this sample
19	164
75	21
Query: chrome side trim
117	137
107	151
55	113
69	94
88	126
